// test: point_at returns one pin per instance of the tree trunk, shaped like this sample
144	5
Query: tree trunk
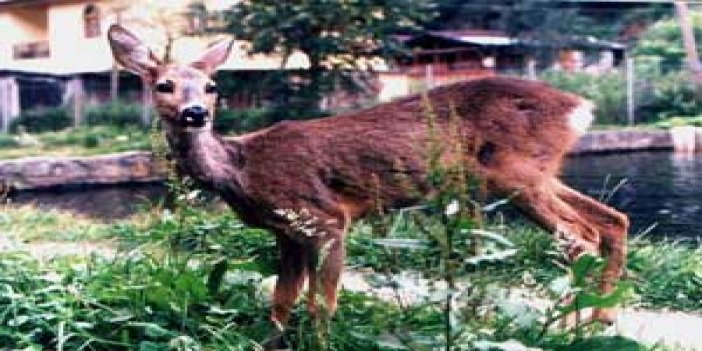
688	36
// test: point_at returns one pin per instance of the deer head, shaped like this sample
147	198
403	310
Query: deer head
184	95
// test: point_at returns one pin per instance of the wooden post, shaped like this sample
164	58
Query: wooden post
114	74
9	102
145	103
429	76
630	90
531	68
75	85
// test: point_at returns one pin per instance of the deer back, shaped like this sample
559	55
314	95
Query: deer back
347	165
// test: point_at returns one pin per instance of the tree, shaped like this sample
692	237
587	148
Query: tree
663	41
688	38
549	19
338	37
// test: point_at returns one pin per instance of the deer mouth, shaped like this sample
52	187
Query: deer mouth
193	122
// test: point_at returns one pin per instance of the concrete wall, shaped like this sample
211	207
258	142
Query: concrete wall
44	172
33	173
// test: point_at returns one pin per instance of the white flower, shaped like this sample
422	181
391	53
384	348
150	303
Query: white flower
452	208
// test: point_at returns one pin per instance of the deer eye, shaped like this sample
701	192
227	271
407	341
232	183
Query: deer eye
167	87
210	88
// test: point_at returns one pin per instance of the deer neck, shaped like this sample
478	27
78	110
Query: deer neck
207	158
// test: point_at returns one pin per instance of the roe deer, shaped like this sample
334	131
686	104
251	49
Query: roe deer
335	170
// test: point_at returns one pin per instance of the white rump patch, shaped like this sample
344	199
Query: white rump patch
581	117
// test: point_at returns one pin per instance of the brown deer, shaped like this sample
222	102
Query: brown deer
329	172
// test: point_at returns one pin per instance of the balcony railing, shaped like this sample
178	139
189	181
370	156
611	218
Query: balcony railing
31	50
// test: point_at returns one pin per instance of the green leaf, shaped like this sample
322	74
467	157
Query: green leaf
413	244
492	257
609	343
586	299
216	276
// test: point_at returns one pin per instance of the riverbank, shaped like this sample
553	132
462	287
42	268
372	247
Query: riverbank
140	166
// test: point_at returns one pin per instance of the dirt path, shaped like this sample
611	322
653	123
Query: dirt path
681	331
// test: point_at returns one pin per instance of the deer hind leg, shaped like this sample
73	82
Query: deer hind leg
325	272
542	205
613	227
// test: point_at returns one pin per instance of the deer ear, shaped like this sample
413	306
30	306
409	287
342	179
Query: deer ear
130	52
215	55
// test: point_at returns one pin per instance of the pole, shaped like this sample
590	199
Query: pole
630	90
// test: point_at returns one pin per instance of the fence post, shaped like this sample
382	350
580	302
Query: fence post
9	102
75	86
429	76
531	68
145	103
630	78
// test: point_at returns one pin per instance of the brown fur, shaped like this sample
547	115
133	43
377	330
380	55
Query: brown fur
335	170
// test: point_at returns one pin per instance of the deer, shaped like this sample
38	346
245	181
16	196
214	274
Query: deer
332	171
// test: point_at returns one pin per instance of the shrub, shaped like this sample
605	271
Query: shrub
42	120
669	95
607	91
117	113
228	120
7	141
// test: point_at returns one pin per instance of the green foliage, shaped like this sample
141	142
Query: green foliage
680	286
7	141
229	120
669	95
607	91
79	141
115	113
663	40
547	19
334	35
43	120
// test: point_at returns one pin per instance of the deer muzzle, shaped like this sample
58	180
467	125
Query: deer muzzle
195	116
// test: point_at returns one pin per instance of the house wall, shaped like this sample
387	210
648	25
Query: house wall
61	24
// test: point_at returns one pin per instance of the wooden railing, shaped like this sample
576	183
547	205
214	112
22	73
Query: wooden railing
31	50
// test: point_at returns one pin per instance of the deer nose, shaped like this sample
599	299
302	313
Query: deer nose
194	116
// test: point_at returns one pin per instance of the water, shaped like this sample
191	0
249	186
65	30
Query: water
102	202
661	188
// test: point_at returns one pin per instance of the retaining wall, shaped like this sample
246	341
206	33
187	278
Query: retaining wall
139	167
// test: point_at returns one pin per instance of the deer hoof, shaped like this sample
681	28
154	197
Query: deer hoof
604	315
276	338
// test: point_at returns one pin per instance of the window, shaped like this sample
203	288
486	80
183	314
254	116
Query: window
91	21
196	18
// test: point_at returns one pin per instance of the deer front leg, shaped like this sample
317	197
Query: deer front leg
291	277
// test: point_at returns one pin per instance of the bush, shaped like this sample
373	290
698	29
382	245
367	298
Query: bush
7	141
228	120
669	95
43	120
607	91
116	113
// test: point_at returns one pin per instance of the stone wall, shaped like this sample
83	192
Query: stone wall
44	172
623	140
137	167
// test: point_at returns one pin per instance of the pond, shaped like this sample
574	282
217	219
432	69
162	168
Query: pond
659	188
655	188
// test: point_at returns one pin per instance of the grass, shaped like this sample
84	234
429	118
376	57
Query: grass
27	223
679	288
166	288
83	141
